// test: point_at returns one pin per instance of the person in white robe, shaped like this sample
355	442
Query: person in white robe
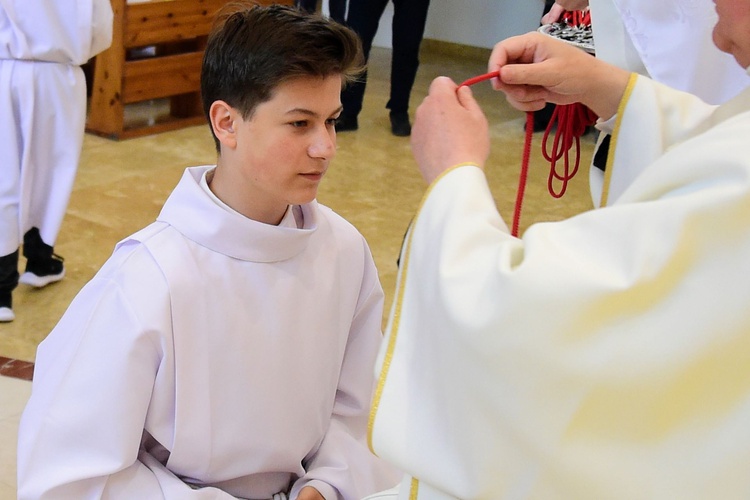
42	117
666	40
601	356
227	349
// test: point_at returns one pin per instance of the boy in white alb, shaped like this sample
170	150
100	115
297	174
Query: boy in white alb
226	350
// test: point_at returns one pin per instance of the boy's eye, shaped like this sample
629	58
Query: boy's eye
331	122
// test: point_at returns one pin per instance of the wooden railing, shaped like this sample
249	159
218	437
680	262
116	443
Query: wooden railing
156	52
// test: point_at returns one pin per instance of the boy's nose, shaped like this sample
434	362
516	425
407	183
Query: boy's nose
323	145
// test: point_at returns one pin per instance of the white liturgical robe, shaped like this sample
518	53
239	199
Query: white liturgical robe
43	108
669	41
212	357
603	356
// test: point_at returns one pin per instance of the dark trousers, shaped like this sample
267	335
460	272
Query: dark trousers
409	19
337	8
8	276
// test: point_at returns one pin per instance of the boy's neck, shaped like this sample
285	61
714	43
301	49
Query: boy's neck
233	194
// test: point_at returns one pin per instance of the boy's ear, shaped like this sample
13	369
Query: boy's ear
223	117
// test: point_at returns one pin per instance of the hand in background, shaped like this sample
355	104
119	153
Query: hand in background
450	128
561	6
554	14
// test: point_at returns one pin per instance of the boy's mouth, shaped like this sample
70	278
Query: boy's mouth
313	176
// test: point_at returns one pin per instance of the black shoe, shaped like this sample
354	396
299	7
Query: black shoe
40	273
346	123
6	307
42	265
400	125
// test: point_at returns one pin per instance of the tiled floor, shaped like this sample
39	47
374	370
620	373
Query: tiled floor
372	182
13	395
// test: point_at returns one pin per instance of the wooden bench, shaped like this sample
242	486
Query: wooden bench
156	52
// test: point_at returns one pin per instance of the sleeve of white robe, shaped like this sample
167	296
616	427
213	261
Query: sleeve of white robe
67	32
93	378
102	19
343	466
648	134
604	356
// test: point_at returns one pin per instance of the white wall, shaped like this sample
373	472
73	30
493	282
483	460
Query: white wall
477	23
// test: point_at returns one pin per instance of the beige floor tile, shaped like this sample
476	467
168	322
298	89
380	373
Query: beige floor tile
13	396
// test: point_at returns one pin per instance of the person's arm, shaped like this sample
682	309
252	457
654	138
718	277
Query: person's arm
101	27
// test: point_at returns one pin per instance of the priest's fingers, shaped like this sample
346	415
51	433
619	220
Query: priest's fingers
449	128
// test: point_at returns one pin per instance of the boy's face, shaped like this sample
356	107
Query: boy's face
283	150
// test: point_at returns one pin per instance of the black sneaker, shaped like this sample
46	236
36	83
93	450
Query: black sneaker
346	123
42	265
6	307
400	125
42	272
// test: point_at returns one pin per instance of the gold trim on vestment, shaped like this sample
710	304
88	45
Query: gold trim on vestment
613	140
414	491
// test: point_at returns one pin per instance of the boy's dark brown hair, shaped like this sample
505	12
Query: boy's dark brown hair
252	49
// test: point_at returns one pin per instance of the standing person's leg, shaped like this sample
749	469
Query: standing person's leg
8	282
409	19
363	18
16	78
51	161
337	9
307	5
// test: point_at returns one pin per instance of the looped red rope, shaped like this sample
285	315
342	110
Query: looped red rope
571	120
576	17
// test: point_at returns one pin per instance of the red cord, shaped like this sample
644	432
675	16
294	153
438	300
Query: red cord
572	120
526	153
524	173
480	78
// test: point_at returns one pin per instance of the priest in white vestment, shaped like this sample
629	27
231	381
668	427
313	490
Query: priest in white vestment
606	356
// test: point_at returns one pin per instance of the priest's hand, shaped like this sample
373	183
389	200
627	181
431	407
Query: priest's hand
535	69
449	128
309	493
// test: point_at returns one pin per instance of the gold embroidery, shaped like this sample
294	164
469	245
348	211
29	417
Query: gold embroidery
613	144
